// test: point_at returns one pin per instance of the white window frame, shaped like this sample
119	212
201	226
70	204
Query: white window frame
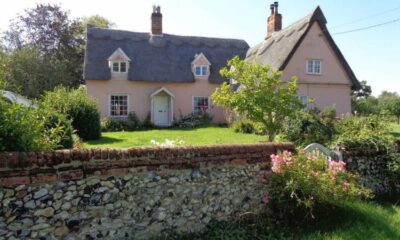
119	66
202	67
128	105
313	72
208	105
300	97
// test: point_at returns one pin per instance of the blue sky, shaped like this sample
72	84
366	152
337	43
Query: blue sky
373	54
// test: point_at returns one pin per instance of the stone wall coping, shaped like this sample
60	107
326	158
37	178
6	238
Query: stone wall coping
31	167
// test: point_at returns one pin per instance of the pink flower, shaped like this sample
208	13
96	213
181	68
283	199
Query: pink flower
346	184
265	199
337	167
280	161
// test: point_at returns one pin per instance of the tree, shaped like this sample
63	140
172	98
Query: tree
262	97
390	101
49	30
97	21
362	102
366	106
364	92
33	73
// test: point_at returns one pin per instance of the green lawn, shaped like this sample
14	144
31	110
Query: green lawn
206	135
396	130
358	221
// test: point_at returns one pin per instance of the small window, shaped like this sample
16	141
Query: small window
201	104
201	70
119	67
115	66
122	67
119	105
303	100
314	66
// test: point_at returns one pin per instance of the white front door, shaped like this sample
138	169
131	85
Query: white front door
160	109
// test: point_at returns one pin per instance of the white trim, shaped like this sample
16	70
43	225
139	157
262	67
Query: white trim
208	104
128	110
201	70
111	63
198	56
161	90
320	66
171	105
119	51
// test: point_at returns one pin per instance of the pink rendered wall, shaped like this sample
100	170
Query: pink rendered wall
332	86
139	95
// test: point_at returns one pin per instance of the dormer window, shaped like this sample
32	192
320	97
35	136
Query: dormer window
119	67
201	66
119	62
201	70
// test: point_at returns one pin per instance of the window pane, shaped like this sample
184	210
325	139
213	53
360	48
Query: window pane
119	105
204	72
123	67
198	71
310	66
200	104
115	66
317	66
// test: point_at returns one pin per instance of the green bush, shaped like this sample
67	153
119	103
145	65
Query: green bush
54	120
243	126
364	134
25	128
111	124
130	123
393	166
79	107
300	184
310	127
194	120
147	124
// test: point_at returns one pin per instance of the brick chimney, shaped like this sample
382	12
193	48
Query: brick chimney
274	21
156	21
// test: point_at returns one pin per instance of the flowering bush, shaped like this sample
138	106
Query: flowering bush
167	143
299	184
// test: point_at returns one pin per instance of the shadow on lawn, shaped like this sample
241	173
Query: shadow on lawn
356	221
104	140
396	134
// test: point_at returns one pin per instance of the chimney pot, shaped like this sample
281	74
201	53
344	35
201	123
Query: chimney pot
274	21
156	21
276	7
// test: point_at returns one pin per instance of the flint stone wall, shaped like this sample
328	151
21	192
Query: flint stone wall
129	194
373	170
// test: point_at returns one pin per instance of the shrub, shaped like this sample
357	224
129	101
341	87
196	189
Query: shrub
111	124
147	124
194	120
25	128
299	184
306	128
54	120
134	122
364	134
243	126
79	107
130	123
393	166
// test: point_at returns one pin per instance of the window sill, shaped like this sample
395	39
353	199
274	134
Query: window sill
314	74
